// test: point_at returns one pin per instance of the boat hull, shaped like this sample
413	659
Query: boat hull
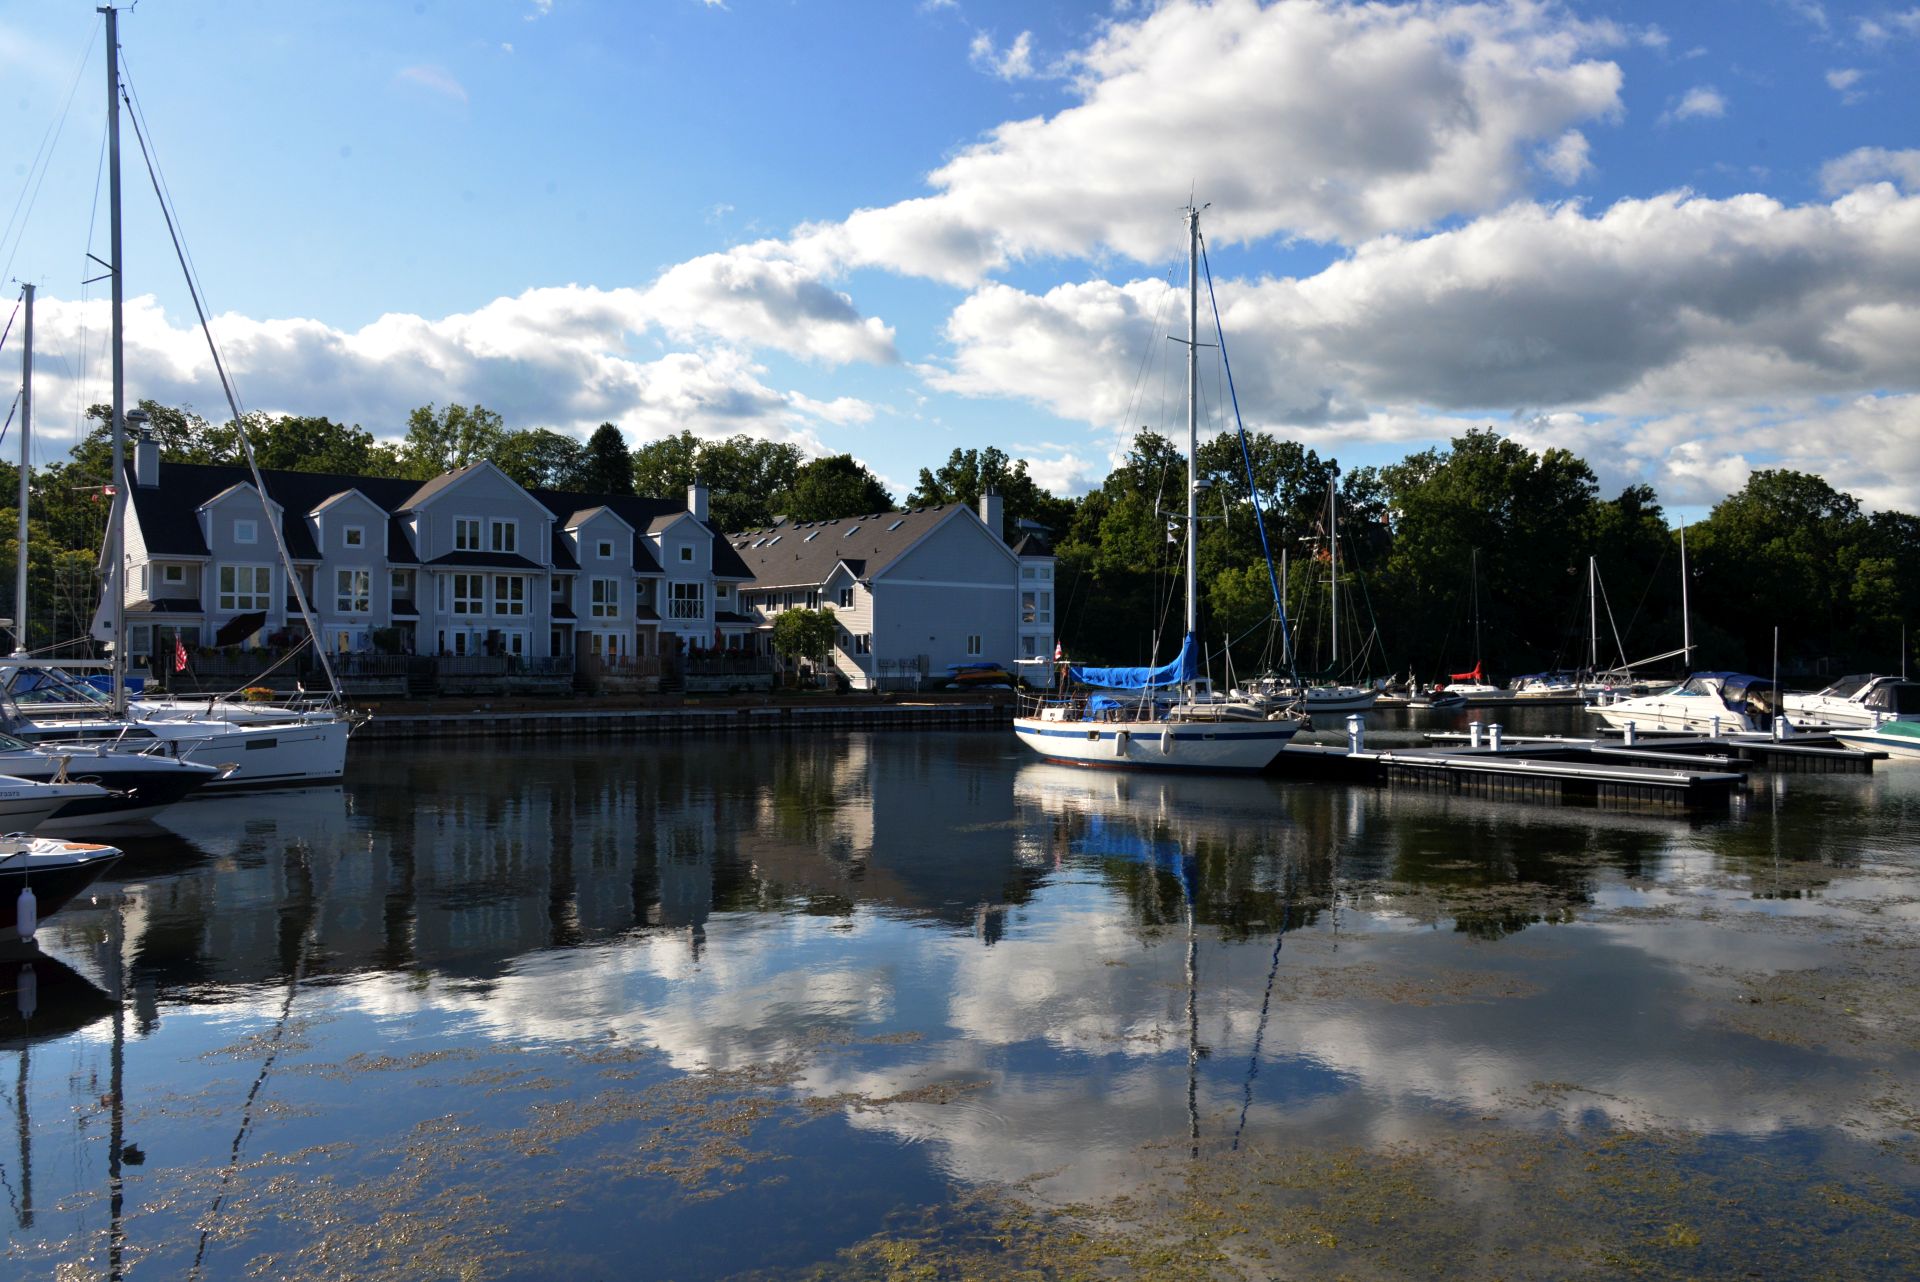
262	756
1344	699
137	787
1658	717
56	870
1882	739
1247	746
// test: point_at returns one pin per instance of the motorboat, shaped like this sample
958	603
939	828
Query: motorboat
41	875
1709	702
1895	738
1862	699
127	783
26	804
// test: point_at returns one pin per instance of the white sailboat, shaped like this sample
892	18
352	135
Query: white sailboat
44	704
1332	697
1163	718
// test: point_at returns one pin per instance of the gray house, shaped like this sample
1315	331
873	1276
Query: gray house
912	591
467	563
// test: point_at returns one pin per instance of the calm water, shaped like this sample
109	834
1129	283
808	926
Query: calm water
916	1005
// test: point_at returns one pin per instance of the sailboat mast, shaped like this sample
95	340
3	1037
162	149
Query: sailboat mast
1193	421
1593	621
117	514
1686	620
1333	579
26	437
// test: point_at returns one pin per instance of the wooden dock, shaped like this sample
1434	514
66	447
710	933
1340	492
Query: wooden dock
1520	773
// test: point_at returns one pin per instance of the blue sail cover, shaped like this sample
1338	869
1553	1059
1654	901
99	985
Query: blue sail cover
1184	668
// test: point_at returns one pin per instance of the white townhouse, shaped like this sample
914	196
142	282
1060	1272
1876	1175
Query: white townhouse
469	562
912	591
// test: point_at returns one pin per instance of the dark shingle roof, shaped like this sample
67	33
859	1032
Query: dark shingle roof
1033	545
486	561
805	554
165	605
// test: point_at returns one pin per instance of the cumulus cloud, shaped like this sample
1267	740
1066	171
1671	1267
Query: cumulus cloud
1653	311
434	79
1015	62
555	357
768	303
1566	159
1702	102
1865	165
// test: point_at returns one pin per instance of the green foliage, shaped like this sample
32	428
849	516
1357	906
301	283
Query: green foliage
804	634
743	475
541	459
832	487
606	466
967	474
441	440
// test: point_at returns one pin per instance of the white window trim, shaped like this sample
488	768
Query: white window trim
229	602
342	593
348	535
479	533
497	524
252	529
603	549
173	574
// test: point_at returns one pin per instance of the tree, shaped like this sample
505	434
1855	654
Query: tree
541	459
743	475
832	487
605	466
441	440
967	474
804	634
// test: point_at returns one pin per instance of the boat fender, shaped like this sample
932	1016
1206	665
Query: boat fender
26	913
1166	741
1120	743
26	996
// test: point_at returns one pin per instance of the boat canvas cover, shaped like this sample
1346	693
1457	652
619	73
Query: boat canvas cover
1183	668
1743	692
1896	698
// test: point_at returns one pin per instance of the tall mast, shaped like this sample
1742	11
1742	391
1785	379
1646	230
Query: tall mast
1686	621
1333	583
1593	621
1474	578
1193	420
117	514
26	436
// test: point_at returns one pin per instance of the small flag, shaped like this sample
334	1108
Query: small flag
1056	652
179	654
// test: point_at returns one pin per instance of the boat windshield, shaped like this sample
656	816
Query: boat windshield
50	687
1899	698
1848	686
10	744
1695	685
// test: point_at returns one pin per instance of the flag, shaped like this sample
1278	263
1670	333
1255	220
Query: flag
1057	653
179	654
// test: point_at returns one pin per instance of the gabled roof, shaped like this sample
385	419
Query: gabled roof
444	481
641	514
486	561
804	554
1033	545
352	491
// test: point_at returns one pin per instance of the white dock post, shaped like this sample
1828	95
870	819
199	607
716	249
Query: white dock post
1629	734
1473	733
1782	727
1716	725
1356	732
1493	736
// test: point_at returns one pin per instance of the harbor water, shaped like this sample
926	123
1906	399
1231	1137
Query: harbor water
916	1005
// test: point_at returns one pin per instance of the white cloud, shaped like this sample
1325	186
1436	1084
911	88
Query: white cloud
1887	26
1702	102
1014	63
548	358
1567	158
1655	311
768	303
1865	165
1844	78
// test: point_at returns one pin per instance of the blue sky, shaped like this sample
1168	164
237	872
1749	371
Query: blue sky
1679	239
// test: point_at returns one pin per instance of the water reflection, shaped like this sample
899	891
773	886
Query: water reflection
1005	972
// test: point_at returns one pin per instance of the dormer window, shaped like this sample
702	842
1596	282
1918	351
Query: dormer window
686	553
354	536
246	531
466	534
173	574
604	549
503	536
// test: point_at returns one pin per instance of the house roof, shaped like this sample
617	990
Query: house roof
642	515
165	605
486	561
1033	545
422	493
804	554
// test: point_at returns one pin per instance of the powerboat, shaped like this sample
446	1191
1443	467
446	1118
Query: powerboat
1710	702
39	876
26	804
126	784
1862	699
1895	738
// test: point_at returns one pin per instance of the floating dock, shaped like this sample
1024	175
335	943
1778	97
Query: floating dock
726	719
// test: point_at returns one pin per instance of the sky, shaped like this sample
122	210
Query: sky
1682	240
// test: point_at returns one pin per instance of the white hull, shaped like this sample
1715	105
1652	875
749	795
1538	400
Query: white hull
265	756
1339	699
27	806
1656	712
1906	747
1158	745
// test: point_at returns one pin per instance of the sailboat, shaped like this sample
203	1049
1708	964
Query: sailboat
1334	696
44	704
1473	686
1164	717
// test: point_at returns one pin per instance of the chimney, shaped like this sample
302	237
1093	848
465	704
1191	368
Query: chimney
990	513
146	451
697	499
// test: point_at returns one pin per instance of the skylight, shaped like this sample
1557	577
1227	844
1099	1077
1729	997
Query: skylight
851	531
811	537
896	525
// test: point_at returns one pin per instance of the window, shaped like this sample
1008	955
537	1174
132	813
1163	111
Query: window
401	581
973	643
846	598
245	587
503	536
559	586
1046	607
813	599
353	536
606	599
1027	646
143	578
686	551
863	644
509	594
604	549
469	593
246	531
689	601
719	592
1026	572
353	591
173	574
466	534
140	639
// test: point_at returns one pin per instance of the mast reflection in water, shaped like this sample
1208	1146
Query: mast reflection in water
762	1003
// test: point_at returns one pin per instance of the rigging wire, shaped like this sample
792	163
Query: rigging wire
226	385
36	170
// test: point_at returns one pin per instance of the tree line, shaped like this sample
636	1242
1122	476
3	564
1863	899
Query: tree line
1471	554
